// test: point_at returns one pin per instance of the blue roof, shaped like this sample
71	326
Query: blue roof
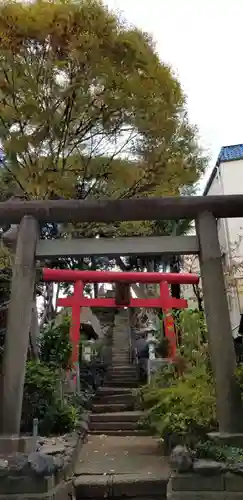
227	153
230	153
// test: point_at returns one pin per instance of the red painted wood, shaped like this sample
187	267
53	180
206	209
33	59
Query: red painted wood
102	302
71	276
77	300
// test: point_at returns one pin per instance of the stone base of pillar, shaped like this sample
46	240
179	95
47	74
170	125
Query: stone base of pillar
227	438
17	444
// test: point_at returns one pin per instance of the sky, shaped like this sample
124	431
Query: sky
202	40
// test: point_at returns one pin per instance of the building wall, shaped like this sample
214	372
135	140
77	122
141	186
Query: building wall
229	180
232	177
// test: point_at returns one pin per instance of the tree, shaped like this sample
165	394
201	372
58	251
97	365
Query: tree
80	90
87	109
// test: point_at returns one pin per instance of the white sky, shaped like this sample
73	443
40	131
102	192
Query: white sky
203	42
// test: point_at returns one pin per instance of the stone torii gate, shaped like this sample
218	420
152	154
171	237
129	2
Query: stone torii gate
204	210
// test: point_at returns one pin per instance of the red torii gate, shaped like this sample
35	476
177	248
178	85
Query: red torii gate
77	300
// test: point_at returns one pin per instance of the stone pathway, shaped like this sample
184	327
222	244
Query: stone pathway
119	467
117	460
122	455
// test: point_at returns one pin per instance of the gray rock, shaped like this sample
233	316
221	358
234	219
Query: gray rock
4	471
85	417
18	464
208	467
181	459
53	449
41	464
236	468
84	426
58	463
41	441
69	451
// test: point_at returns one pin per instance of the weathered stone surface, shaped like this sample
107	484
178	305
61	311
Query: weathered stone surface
226	438
3	467
58	463
85	417
62	491
41	464
236	468
16	444
25	484
232	496
206	495
133	485
181	459
233	482
18	464
196	482
208	467
84	426
95	486
54	449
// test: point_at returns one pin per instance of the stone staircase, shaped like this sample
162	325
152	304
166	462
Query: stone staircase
113	410
118	461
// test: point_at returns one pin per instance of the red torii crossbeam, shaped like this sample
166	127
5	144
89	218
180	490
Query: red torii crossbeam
76	301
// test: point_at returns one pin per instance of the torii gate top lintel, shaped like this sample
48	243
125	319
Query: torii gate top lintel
71	276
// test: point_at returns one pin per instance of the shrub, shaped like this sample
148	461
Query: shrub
219	452
55	345
184	408
41	400
59	419
181	404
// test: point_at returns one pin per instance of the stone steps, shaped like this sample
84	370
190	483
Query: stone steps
125	377
123	369
122	373
113	426
112	415
120	416
121	361
122	398
120	357
110	408
113	406
114	391
120	432
121	486
124	383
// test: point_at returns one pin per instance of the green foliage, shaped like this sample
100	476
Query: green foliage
59	418
239	376
162	348
41	400
55	345
193	332
220	453
183	406
77	82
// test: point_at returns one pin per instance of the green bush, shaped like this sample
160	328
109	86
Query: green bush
55	345
59	418
41	400
183	407
218	452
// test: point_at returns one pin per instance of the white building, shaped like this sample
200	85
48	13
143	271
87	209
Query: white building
227	178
